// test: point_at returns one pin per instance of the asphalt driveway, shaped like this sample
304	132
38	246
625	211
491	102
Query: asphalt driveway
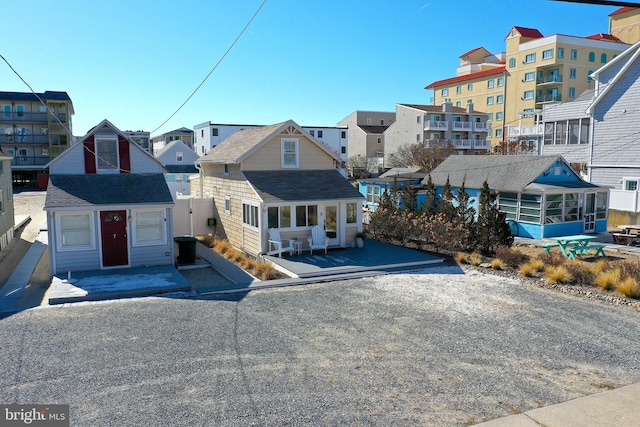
440	348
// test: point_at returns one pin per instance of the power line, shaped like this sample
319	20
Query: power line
214	67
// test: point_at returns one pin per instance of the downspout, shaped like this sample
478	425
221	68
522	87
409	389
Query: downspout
199	167
592	126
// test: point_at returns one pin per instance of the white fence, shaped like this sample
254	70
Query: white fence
190	216
624	200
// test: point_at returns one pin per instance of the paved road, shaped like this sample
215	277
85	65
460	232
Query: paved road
412	349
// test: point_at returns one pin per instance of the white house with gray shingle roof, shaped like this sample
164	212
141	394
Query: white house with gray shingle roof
541	194
108	205
277	176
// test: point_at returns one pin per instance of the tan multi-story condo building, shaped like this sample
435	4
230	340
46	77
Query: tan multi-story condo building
34	129
513	86
624	24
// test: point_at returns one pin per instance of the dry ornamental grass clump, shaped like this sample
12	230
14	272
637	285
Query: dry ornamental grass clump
551	258
629	287
581	272
558	274
461	258
608	280
536	264
475	259
497	264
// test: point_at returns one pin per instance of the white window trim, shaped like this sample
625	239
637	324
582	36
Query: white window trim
227	198
625	180
134	236
179	156
92	232
258	217
297	153
117	165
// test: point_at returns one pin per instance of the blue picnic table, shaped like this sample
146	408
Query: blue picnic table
570	246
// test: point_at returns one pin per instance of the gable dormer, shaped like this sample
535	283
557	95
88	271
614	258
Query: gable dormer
106	153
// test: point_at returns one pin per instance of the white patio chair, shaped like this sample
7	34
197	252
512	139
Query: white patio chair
279	244
318	239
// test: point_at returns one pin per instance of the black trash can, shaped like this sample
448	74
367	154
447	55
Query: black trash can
186	249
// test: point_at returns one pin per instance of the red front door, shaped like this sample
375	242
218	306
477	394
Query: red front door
114	238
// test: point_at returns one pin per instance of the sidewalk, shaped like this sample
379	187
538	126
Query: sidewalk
617	408
15	286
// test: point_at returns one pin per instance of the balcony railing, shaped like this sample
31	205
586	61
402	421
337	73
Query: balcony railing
550	79
549	98
436	125
31	117
24	139
532	130
460	144
481	126
30	160
462	126
482	143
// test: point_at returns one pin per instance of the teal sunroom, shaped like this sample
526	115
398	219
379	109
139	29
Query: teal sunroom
541	195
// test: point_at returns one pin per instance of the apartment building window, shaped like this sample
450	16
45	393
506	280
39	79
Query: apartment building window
512	62
343	150
499	99
417	137
547	54
528	94
458	104
379	140
572	92
343	134
529	76
7	111
500	81
560	52
202	133
312	132
499	116
592	57
603	58
470	86
489	100
530	58
458	90
489	117
490	84
202	149
574	54
443	92
572	73
319	134
214	131
417	119
20	110
499	133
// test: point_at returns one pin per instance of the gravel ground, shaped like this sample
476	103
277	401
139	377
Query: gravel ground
440	347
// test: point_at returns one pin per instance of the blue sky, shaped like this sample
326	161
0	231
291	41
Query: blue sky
134	62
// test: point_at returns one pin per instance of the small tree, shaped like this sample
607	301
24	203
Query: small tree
430	206
445	205
492	230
